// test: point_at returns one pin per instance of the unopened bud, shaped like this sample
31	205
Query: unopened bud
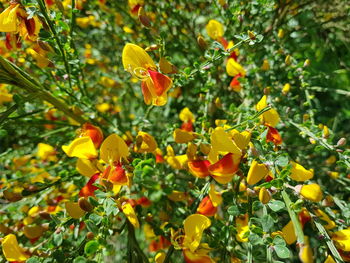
152	47
288	60
307	63
201	42
280	33
341	142
251	35
11	196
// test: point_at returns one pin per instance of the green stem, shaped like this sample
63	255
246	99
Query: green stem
43	10
329	241
296	223
134	244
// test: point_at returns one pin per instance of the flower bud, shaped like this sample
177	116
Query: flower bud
307	63
341	142
90	235
201	42
288	60
264	195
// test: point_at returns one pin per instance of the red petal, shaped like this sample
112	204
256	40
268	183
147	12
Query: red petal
199	168
89	188
228	165
161	82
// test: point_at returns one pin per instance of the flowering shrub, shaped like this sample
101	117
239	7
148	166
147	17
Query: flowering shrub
174	131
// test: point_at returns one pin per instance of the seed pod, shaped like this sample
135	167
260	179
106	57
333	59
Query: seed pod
144	19
44	215
11	196
85	205
90	235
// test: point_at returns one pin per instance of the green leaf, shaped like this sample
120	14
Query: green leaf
282	161
233	211
279	241
91	247
282	251
79	259
276	205
33	260
57	239
267	222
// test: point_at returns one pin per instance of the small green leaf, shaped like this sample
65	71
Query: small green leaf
57	239
233	211
79	259
279	241
91	247
282	251
276	205
267	222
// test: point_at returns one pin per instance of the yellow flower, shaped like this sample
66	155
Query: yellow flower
194	226
221	143
270	117
215	29
181	136
312	192
256	172
241	139
5	96
265	66
342	239
177	196
233	68
286	88
140	65
242	228
305	254
289	233
113	149
46	152
145	143
11	250
186	115
82	147
299	173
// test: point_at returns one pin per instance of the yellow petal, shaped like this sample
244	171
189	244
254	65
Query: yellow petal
82	147
86	167
215	29
221	142
256	172
11	250
74	210
45	151
262	103
135	59
242	228
129	212
181	136
113	149
241	139
342	239
194	226
233	68
145	143
289	233
329	259
324	217
305	254
214	196
160	257
312	192
178	161
8	19
299	173
33	231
